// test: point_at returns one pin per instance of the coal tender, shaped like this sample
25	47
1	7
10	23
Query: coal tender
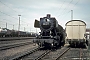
52	34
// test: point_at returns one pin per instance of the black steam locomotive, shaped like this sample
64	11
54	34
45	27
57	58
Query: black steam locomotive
52	34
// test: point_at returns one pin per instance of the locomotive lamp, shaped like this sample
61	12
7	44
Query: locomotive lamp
52	44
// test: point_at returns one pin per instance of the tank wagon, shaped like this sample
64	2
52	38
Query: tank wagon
75	30
52	34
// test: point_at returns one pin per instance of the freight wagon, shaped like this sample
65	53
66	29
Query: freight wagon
75	30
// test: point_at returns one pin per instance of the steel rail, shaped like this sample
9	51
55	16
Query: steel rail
24	54
13	46
15	38
44	54
80	56
62	53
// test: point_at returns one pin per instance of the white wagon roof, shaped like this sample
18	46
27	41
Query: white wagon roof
74	21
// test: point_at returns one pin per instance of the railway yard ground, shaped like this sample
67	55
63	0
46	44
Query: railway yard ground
25	49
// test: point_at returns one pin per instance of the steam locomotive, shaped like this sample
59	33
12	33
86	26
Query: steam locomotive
52	34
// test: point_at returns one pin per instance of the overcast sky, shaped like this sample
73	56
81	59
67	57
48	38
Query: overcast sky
35	9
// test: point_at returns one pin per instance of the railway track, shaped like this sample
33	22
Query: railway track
75	54
9	46
13	41
42	54
80	54
55	55
68	54
25	54
33	55
62	54
65	53
83	54
15	38
17	51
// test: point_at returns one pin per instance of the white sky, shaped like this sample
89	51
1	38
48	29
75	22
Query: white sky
35	9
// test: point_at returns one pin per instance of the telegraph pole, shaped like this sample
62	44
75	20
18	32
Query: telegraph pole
24	28
13	27
6	25
36	30
19	23
30	29
19	26
71	14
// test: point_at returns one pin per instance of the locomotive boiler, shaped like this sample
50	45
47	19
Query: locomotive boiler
52	34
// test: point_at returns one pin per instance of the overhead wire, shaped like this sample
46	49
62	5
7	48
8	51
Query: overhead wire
61	7
8	21
7	15
71	9
8	7
12	16
3	23
65	8
11	9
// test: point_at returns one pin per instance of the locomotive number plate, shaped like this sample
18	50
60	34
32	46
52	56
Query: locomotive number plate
45	23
